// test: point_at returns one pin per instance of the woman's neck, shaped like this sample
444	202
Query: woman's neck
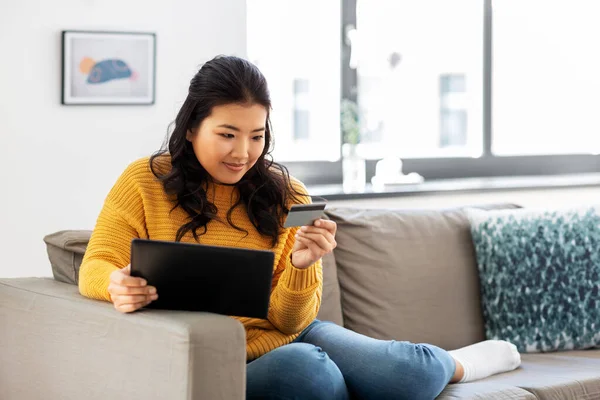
222	193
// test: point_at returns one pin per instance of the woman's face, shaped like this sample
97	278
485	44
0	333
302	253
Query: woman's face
230	140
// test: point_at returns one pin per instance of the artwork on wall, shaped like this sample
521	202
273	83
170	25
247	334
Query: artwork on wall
108	67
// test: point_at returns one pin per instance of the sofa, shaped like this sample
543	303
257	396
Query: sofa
395	274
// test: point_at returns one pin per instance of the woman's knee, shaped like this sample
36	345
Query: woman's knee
420	371
304	371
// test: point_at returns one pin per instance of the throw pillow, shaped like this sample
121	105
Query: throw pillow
539	272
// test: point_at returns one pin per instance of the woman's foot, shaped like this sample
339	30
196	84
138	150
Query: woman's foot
484	359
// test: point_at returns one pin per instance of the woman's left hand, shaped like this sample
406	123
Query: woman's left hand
313	242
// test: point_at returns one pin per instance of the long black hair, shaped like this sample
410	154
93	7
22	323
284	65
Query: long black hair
265	190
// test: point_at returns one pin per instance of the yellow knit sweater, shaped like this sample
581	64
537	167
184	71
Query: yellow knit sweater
137	207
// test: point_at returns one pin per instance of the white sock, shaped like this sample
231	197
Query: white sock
487	358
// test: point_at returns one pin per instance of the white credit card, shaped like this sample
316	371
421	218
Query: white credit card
304	214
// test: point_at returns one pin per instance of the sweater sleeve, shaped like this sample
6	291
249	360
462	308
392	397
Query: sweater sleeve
296	297
120	220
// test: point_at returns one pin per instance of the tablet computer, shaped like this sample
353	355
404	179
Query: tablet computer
196	277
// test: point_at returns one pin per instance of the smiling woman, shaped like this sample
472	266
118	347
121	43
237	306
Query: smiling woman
227	144
215	184
222	135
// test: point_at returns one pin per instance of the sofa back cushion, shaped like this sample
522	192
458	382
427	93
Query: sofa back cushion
331	306
409	275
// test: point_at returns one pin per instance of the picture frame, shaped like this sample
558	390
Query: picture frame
108	68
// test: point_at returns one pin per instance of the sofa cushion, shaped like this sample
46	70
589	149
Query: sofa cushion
331	307
540	276
65	251
408	275
566	375
485	390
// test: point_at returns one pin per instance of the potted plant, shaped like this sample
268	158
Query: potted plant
353	165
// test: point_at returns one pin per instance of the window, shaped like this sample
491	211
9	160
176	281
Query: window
297	48
453	112
301	109
546	80
456	88
411	56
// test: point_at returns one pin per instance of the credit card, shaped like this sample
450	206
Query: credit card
304	214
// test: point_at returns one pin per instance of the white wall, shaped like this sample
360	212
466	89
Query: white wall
59	162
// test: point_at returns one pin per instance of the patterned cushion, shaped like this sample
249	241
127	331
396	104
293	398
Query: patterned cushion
540	274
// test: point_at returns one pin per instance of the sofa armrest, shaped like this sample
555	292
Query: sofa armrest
57	344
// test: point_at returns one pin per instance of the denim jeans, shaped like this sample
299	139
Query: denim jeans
330	362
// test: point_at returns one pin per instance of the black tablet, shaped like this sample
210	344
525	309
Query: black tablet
196	277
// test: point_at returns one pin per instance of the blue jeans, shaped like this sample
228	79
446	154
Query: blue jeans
330	362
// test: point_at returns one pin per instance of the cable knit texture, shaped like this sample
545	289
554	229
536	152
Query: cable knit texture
138	207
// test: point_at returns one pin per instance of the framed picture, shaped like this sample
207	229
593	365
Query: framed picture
108	67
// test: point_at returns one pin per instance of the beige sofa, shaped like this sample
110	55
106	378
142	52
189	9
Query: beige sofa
406	275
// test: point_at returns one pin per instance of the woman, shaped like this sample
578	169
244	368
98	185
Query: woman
216	185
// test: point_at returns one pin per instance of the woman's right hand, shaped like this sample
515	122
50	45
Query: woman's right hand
129	293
